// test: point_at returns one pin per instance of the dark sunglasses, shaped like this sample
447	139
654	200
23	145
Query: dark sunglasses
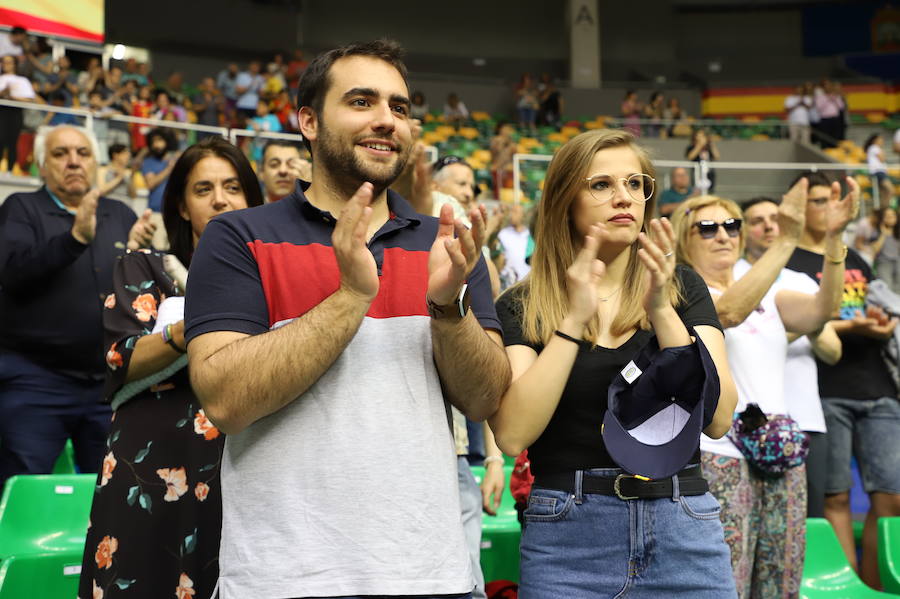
709	228
446	161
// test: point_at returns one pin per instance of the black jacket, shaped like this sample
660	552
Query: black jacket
52	287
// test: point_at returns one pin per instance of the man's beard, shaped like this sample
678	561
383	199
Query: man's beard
157	153
347	166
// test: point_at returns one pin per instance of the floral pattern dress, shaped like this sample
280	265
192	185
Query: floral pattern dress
157	511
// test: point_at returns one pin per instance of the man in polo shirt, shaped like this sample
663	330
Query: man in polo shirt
57	250
281	166
327	334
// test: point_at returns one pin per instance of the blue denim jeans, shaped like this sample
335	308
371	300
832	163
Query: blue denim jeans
588	546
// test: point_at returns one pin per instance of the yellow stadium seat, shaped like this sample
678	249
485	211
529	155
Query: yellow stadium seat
468	132
482	155
480	116
592	125
760	137
863	181
570	131
445	130
506	195
429	118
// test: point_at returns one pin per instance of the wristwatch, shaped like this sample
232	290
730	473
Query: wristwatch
455	311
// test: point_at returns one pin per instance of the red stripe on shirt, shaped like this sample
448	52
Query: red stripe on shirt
297	278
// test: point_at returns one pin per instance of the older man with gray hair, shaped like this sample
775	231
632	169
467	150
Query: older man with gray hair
58	246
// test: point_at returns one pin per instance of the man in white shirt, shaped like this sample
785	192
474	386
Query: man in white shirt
798	106
12	43
801	388
514	240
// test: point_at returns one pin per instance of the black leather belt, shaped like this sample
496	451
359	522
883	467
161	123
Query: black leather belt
627	486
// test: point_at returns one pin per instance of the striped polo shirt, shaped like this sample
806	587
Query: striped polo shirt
351	489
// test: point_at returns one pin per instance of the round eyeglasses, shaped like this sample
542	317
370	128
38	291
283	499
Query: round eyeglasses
639	187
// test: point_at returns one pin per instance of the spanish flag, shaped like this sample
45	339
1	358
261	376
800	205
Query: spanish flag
73	19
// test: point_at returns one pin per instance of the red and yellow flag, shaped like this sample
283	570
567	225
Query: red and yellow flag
73	19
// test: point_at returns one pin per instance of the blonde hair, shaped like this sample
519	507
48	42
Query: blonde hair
557	243
684	217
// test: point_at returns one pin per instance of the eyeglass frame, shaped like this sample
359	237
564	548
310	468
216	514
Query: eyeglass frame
738	222
615	189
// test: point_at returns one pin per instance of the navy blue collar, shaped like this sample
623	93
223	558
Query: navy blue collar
400	210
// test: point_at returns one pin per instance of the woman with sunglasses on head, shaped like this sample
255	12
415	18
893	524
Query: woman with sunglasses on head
157	513
763	512
604	282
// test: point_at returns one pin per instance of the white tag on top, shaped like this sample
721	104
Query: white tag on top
631	372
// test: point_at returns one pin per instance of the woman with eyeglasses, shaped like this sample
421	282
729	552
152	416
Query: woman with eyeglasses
764	515
604	282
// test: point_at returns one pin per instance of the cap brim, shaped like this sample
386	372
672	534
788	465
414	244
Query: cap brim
653	461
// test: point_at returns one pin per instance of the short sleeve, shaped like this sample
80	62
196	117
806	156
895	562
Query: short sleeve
509	311
696	307
224	289
140	285
480	294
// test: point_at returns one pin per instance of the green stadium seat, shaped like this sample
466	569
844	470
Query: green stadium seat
826	572
46	575
65	463
500	535
889	554
44	513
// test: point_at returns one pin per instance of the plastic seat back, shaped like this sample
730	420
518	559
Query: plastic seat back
43	513
49	575
65	463
889	554
826	571
500	535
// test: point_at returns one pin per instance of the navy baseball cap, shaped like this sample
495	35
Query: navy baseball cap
658	406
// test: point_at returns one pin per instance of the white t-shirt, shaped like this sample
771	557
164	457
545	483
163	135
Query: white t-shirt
515	246
801	375
874	157
756	355
798	109
19	87
7	47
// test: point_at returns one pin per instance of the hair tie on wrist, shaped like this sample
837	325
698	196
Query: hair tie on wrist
559	333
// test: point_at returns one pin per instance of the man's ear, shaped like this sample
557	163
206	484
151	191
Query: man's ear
308	122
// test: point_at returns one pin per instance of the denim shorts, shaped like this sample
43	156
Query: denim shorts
582	546
869	430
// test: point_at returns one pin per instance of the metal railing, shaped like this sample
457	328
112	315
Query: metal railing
232	134
702	169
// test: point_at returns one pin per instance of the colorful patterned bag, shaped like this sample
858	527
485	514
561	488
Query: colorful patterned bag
771	444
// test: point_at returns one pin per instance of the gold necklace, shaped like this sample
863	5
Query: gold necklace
608	297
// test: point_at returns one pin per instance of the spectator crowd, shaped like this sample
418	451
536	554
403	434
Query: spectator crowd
351	301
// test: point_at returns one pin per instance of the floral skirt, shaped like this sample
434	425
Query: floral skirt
157	512
765	525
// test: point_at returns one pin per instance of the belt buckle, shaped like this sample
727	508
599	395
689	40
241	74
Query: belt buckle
617	489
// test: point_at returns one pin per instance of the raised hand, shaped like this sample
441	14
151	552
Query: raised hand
875	323
85	226
359	274
839	212
175	269
583	276
142	231
658	255
792	211
452	258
